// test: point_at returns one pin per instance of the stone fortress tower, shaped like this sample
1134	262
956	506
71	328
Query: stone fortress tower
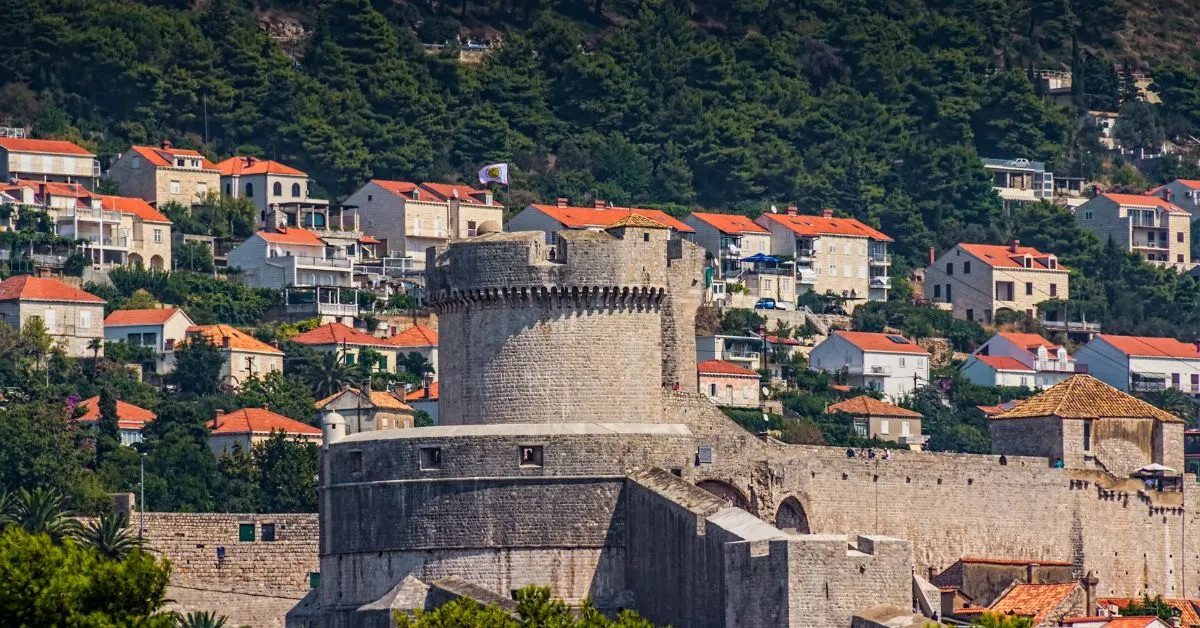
565	459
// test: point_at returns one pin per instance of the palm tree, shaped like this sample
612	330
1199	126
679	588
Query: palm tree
95	344
8	509
109	536
328	372
42	511
201	619
1174	401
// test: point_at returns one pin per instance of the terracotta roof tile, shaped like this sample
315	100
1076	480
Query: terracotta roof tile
732	224
464	193
378	398
866	405
129	416
164	157
1145	346
1036	600
53	147
1140	200
819	225
125	318
415	336
634	220
238	339
399	188
135	207
1085	397
258	421
1027	341
336	334
590	217
868	341
419	394
721	367
291	235
1134	622
43	289
1001	256
1003	363
248	166
1188	613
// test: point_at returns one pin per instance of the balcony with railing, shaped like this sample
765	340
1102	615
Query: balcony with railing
1147	382
879	259
880	281
90	214
1054	366
877	370
1148	219
309	261
1153	245
106	242
322	309
736	354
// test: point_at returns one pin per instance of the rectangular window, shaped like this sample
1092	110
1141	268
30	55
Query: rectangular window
848	270
174	187
949	269
1175	380
158	235
970	314
1087	215
431	458
1087	435
356	461
905	429
136	163
85	320
937	291
846	249
268	532
201	190
1179	258
966	268
1053	289
349	358
712	390
1028	287
246	532
383	363
949	294
531	455
833	248
1179	236
883	427
902	361
833	270
50	320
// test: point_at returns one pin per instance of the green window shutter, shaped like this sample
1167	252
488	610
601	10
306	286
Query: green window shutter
246	532
314	579
349	358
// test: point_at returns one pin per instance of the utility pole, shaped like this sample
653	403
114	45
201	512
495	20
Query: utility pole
142	499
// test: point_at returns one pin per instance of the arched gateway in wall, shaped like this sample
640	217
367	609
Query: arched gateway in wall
791	517
726	492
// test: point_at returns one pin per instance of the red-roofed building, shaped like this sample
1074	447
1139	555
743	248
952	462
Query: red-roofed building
1142	363
424	399
418	339
550	219
159	329
1184	193
159	174
872	418
1152	226
730	239
244	428
832	254
411	217
1045	603
73	317
980	280
984	579
289	257
48	160
130	418
349	343
245	356
1019	359
366	411
889	363
1187	609
1020	181
279	192
728	384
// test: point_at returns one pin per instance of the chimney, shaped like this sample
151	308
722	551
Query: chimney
217	419
932	258
166	144
598	203
1031	573
560	201
827	213
1089	583
792	210
1013	245
428	384
1167	194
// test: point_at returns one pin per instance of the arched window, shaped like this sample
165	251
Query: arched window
249	190
295	190
277	189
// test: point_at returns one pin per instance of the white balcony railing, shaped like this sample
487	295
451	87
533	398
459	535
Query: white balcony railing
741	355
1054	365
881	282
88	213
323	309
318	262
880	259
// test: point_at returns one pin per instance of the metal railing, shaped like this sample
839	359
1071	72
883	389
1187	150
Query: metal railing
326	309
880	258
741	355
1054	365
323	262
88	213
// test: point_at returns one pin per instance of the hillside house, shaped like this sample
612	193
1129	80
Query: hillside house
163	174
160	330
48	160
424	399
889	363
418	339
369	410
1106	123
744	351
550	219
728	384
1019	359
1020	181
982	280
130	418
349	343
1154	227
842	256
245	356
1184	193
243	429
872	418
273	187
72	317
1142	364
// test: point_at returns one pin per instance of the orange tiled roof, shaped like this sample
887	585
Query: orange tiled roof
378	398
866	405
868	341
337	334
1146	346
291	235
56	188
238	339
366	239
129	416
721	367
1036	600
247	166
1085	397
731	223
590	217
419	394
258	421
1141	200
464	193
1001	256
1188	614
43	289
820	225
1003	363
125	318
54	147
1027	341
133	206
399	188
634	220
164	157
776	340
1191	183
1134	622
415	336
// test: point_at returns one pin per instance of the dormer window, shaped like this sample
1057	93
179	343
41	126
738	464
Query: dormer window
178	163
1053	263
1028	262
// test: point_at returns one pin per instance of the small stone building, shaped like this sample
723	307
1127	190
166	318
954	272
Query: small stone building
368	410
1088	424
728	384
73	317
872	418
983	580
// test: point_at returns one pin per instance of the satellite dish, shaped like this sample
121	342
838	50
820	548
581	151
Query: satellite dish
774	209
766	393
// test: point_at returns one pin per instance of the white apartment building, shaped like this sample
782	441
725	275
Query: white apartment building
550	219
290	257
48	160
841	256
1019	359
411	217
1142	364
980	280
889	363
160	329
1185	193
1154	227
1020	181
743	351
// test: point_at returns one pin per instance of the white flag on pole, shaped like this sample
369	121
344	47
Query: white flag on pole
494	173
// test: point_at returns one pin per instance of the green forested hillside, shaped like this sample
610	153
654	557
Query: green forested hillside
878	108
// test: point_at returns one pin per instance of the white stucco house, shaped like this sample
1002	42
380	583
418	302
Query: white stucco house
889	363
160	329
1142	364
1019	359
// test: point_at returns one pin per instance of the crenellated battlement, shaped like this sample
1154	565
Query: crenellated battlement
598	298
